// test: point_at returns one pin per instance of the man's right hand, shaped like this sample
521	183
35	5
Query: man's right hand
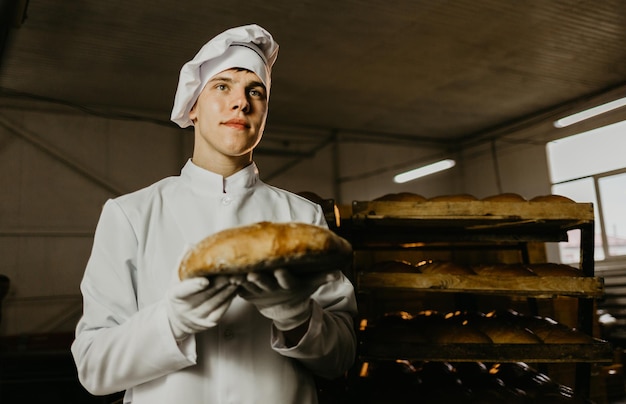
195	304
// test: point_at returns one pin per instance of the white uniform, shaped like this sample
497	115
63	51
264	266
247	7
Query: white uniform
123	341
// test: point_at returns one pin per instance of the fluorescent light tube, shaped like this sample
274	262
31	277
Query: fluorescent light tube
589	113
424	171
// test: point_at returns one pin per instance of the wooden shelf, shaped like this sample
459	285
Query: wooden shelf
378	222
513	212
535	286
545	353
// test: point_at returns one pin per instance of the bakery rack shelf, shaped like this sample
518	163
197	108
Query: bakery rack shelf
376	222
477	211
539	286
597	352
454	225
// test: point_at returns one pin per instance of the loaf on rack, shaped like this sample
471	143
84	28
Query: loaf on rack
552	199
401	197
443	267
504	330
503	270
505	197
394	266
552	269
394	326
403	381
438	330
550	331
501	330
453	198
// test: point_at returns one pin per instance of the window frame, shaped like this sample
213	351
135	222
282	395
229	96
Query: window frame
600	219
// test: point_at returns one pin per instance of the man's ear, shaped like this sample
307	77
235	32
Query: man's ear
193	113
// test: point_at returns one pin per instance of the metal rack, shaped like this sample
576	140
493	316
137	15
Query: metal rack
380	225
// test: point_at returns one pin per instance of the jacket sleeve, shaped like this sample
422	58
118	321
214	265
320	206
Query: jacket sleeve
115	342
328	348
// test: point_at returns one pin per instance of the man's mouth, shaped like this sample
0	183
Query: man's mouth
237	123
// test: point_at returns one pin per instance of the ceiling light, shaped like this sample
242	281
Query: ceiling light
424	171
589	113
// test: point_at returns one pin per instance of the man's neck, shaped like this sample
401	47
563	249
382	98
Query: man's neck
223	167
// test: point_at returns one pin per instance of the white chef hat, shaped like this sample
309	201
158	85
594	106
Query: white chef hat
250	47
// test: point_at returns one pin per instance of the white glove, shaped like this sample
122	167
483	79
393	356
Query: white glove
195	304
282	297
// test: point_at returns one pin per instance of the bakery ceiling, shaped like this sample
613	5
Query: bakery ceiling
436	73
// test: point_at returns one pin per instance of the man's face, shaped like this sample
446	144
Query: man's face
229	117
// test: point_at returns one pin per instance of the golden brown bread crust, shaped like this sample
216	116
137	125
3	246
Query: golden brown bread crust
396	266
506	197
552	199
443	267
453	198
554	269
263	246
456	334
503	270
394	326
502	332
552	332
439	330
402	197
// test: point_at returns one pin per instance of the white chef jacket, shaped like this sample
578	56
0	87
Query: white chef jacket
123	340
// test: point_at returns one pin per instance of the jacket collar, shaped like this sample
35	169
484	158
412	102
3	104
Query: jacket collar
211	182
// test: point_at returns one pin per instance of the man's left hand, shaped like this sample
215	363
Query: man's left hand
283	297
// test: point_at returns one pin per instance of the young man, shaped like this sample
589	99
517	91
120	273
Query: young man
257	338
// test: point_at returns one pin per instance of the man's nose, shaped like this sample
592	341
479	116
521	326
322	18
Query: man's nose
240	101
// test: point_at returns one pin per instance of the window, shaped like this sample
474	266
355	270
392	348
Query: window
591	167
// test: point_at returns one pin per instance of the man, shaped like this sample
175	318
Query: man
256	338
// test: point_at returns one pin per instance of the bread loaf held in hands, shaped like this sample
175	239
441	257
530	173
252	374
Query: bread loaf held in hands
264	246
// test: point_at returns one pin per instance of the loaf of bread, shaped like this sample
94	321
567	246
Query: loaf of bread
394	266
439	329
506	197
453	198
264	246
394	318
500	329
394	326
553	269
456	334
552	332
443	267
401	197
503	270
502	332
552	199
520	376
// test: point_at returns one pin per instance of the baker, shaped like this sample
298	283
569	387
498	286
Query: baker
259	337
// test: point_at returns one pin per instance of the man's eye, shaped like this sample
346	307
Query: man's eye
256	93
221	87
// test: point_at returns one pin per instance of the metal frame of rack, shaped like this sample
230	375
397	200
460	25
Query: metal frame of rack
491	225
